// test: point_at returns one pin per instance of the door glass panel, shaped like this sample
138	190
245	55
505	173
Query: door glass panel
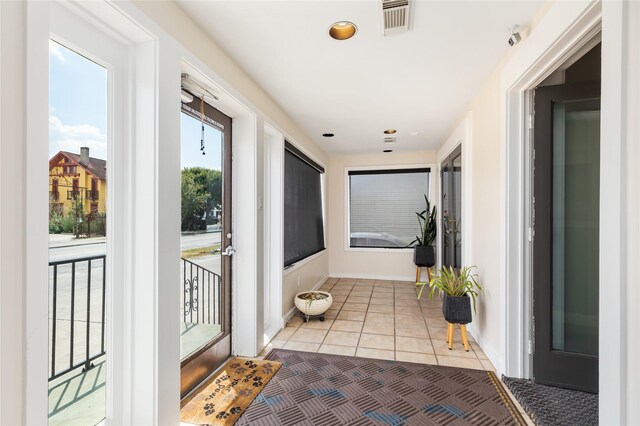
446	211
575	240
456	215
200	259
77	237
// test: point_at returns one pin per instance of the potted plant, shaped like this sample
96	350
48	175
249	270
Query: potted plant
313	303
424	253
459	291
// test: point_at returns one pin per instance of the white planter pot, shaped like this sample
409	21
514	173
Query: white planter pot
316	307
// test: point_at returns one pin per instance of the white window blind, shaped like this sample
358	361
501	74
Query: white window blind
383	206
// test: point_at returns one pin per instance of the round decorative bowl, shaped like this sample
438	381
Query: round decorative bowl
313	307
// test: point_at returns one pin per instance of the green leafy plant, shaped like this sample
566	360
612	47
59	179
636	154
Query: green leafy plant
428	225
457	285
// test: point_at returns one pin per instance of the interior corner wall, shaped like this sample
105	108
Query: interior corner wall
367	263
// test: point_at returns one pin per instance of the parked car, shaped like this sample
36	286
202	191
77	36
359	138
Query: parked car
376	239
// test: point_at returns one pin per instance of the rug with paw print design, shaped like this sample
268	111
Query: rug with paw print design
223	398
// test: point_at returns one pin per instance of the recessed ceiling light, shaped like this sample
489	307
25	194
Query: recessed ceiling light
342	30
388	150
390	131
328	135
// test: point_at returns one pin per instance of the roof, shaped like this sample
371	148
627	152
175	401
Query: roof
96	166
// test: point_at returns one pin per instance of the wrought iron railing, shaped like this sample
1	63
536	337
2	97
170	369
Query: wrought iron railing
202	293
70	280
93	195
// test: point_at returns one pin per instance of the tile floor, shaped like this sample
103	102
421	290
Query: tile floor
381	319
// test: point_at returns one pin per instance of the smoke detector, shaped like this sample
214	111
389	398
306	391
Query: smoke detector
396	16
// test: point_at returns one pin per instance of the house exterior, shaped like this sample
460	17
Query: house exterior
77	177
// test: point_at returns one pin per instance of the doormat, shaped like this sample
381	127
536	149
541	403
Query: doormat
224	397
548	405
322	389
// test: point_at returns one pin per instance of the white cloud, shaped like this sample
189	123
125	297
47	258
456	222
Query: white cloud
65	137
55	50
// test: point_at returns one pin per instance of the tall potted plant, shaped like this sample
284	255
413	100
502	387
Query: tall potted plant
459	291
424	253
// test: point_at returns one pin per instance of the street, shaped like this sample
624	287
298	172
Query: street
74	249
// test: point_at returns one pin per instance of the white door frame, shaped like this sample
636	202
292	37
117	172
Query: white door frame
130	133
565	27
560	33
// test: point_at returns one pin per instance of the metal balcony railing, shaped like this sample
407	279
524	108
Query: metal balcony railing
77	313
73	194
202	294
92	195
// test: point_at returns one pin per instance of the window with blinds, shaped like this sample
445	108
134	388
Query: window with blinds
383	206
303	215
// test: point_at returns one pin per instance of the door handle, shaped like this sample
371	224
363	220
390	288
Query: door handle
229	251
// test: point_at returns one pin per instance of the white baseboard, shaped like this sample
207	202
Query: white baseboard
373	277
293	310
488	349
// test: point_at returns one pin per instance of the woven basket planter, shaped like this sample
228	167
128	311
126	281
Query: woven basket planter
316	307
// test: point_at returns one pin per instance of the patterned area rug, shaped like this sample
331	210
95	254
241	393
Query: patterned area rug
320	389
547	405
223	399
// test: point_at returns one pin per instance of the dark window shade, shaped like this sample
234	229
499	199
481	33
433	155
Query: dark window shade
303	218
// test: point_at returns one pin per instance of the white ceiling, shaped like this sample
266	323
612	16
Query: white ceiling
419	81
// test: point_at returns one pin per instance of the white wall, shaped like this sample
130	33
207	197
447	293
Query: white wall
368	263
12	223
308	275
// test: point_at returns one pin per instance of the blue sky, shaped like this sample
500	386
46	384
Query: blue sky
191	130
78	112
77	103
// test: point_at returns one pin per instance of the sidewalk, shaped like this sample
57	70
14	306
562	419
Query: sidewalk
69	240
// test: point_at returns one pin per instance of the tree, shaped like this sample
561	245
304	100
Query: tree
194	202
199	185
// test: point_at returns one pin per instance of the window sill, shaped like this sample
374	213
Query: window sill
303	262
379	250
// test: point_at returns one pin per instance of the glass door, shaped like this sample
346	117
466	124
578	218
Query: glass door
566	243
205	264
451	170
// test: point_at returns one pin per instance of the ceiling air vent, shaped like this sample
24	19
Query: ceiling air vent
389	140
396	16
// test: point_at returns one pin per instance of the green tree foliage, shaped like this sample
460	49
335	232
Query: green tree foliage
201	194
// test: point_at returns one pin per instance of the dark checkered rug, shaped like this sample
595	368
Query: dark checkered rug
551	406
320	389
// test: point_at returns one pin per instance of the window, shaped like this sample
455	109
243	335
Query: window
70	170
303	215
383	206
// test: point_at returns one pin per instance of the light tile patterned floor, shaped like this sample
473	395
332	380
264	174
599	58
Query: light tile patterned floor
381	319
